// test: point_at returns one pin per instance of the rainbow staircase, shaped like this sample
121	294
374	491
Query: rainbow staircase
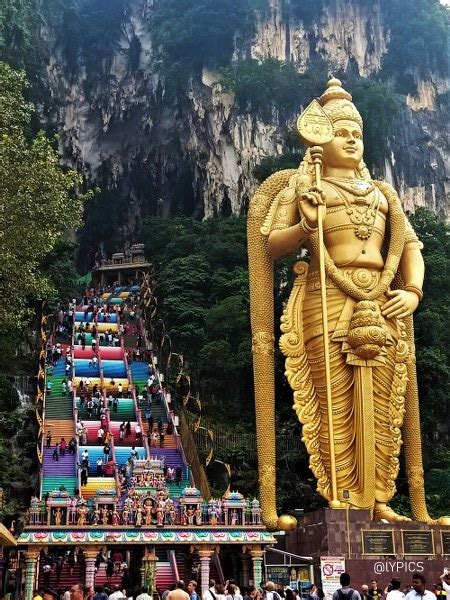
62	412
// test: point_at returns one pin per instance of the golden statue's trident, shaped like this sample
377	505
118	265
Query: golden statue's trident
316	129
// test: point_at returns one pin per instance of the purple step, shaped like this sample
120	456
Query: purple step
172	456
64	466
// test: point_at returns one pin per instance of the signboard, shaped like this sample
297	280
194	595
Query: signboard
378	542
445	542
331	568
418	543
286	575
278	574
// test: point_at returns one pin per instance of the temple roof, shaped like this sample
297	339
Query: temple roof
206	535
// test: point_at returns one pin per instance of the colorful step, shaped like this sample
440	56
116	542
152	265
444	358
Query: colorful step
65	466
60	408
98	483
54	483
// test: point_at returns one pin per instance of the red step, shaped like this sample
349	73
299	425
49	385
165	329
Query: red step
164	576
66	580
101	579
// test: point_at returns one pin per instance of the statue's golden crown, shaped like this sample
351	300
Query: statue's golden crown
337	103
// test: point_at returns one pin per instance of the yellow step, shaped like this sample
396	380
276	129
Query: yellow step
97	483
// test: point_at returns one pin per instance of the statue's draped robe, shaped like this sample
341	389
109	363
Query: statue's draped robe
367	395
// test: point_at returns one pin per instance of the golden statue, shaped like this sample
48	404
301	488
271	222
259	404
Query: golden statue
347	330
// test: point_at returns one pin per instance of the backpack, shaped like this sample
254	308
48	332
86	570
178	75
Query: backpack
345	595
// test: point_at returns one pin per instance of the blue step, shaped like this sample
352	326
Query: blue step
95	452
123	453
114	368
84	368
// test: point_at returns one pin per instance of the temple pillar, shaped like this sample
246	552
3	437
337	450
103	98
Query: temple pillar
234	567
90	554
31	558
148	570
205	554
245	569
257	558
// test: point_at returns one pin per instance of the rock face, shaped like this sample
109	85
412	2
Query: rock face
196	154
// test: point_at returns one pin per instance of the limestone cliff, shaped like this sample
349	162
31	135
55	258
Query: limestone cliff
195	151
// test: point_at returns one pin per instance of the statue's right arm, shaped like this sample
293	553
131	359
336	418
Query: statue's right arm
284	241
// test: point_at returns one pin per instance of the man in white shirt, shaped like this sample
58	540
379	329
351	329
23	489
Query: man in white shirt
395	593
100	434
445	579
419	592
144	595
210	593
270	591
116	594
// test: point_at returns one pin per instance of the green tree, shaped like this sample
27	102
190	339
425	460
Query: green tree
36	199
431	323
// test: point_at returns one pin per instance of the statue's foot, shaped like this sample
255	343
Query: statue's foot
337	504
442	521
383	511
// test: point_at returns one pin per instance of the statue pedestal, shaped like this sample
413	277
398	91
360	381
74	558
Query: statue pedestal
403	547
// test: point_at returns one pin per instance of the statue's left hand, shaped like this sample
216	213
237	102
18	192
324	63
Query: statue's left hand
401	304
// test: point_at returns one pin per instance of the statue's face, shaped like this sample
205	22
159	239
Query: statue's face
346	148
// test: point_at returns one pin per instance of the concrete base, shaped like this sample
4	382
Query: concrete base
329	532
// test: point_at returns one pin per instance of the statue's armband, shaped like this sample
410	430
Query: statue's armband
411	236
283	212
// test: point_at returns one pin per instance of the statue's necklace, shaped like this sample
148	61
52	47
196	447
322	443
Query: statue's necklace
357	187
361	214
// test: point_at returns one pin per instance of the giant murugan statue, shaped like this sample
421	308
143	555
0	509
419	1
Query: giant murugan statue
347	328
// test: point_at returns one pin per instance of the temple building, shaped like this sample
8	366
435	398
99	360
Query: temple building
117	501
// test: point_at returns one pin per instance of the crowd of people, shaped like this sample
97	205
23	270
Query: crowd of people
96	403
394	590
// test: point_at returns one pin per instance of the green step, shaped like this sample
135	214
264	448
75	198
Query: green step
176	490
56	384
158	410
88	339
51	484
58	408
125	411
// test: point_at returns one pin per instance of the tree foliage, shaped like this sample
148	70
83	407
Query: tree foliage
203	298
431	323
17	450
270	85
36	199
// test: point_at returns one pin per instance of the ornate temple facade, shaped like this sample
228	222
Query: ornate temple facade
117	501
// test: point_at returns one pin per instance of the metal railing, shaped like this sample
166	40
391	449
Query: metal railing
229	440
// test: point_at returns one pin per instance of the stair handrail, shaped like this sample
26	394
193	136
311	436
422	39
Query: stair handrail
116	473
173	563
125	359
44	399
176	434
216	559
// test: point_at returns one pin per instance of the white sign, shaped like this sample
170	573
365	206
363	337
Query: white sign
331	568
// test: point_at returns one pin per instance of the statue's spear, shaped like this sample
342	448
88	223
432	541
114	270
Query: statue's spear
316	129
